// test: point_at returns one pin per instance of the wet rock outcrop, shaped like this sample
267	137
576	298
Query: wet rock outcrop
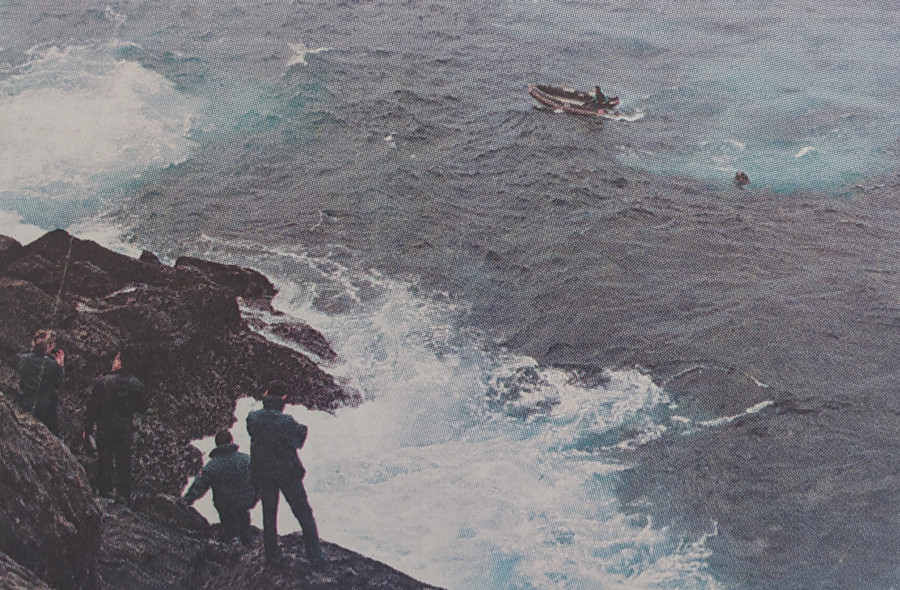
15	576
198	356
346	570
49	518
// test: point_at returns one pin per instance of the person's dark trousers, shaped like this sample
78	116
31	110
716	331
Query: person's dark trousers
290	483
236	525
46	412
114	457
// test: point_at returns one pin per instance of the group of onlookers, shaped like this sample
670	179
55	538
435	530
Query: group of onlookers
238	480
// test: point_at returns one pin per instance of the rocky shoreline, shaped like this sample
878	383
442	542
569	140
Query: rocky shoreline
199	356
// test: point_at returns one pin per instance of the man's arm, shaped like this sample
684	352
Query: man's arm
297	433
198	488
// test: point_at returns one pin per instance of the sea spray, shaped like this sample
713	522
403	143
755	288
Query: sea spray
78	122
468	466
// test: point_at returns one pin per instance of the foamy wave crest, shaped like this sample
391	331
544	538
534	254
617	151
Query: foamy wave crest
468	467
300	51
75	117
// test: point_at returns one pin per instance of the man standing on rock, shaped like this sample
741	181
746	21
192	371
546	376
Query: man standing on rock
114	400
228	474
275	438
41	374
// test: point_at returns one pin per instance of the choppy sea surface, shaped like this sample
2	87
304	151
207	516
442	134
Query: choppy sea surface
589	360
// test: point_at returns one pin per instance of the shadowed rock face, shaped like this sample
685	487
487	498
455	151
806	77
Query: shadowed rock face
244	282
198	357
344	569
49	518
161	544
198	354
15	576
158	544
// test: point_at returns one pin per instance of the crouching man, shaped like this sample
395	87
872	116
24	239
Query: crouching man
228	474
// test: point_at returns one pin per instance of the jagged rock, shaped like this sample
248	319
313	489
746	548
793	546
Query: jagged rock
244	282
176	317
310	386
9	249
157	544
27	309
199	357
55	255
344	570
149	257
49	518
14	576
307	337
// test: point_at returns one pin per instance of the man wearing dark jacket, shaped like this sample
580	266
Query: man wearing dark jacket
41	375
275	438
228	474
114	400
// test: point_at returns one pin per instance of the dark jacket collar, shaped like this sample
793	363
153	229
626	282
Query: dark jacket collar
273	403
223	450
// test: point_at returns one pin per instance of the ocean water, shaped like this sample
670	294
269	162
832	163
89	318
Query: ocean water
523	297
467	466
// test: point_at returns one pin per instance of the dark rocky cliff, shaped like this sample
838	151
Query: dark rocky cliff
198	357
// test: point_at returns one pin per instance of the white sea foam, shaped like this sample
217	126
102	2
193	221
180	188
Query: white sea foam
689	424
301	51
106	234
805	151
739	145
636	115
12	225
468	467
75	115
729	419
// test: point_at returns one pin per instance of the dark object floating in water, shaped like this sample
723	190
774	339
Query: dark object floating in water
573	101
741	179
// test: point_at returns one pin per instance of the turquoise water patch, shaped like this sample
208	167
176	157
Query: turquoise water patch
78	123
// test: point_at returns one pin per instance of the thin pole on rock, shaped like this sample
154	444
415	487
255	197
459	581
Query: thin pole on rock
62	283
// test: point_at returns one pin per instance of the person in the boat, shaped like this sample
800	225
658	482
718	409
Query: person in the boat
599	98
741	179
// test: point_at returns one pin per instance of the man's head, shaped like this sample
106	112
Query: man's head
126	358
278	388
43	342
223	437
276	394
